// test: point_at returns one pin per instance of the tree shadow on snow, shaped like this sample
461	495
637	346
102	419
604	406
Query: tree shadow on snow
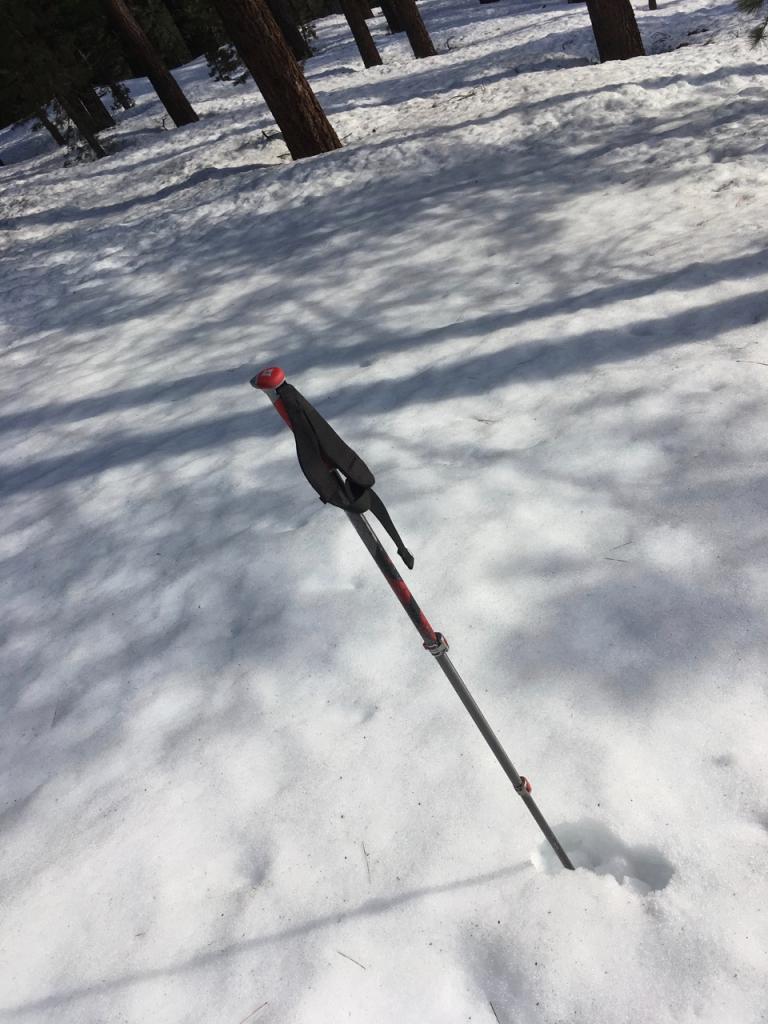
369	908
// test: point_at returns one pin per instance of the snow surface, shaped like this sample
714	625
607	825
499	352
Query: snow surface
532	291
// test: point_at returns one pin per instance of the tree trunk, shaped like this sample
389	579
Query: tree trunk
392	16
50	127
82	121
99	114
144	54
652	5
75	102
122	96
616	32
287	93
415	28
363	38
200	34
365	8
291	33
169	40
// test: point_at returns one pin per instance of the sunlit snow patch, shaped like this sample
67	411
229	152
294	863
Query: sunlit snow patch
593	846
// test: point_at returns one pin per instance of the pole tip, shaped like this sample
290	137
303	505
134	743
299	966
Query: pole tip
269	379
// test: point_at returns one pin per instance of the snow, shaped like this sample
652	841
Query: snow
531	291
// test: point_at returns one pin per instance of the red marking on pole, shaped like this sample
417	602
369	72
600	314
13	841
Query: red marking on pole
401	590
416	615
283	412
426	628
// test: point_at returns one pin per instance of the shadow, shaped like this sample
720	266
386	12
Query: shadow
199	177
555	50
128	448
370	908
539	359
176	389
544	359
595	847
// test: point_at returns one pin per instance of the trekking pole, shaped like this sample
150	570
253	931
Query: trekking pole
322	455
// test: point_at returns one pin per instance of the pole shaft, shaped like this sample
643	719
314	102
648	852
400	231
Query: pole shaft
400	588
490	737
431	638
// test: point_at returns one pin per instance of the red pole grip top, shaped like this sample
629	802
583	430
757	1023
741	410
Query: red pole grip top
269	379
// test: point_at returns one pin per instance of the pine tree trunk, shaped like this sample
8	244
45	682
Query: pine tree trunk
291	33
99	114
392	16
363	38
121	95
176	13
143	53
365	8
616	32
50	127
652	5
200	35
76	102
169	39
82	121
287	93
415	28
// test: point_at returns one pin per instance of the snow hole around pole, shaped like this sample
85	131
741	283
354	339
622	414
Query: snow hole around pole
595	847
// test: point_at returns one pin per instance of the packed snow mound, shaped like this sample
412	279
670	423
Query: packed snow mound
592	845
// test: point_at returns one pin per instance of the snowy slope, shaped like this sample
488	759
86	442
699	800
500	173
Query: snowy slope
531	290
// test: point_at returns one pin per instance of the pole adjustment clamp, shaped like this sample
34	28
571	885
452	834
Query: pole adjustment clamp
438	646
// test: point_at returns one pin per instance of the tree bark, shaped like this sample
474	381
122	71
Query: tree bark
652	5
616	32
143	53
276	71
291	32
99	114
199	35
121	95
415	28
50	127
170	41
365	44
392	16
82	121
366	9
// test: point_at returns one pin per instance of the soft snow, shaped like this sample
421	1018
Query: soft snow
531	290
